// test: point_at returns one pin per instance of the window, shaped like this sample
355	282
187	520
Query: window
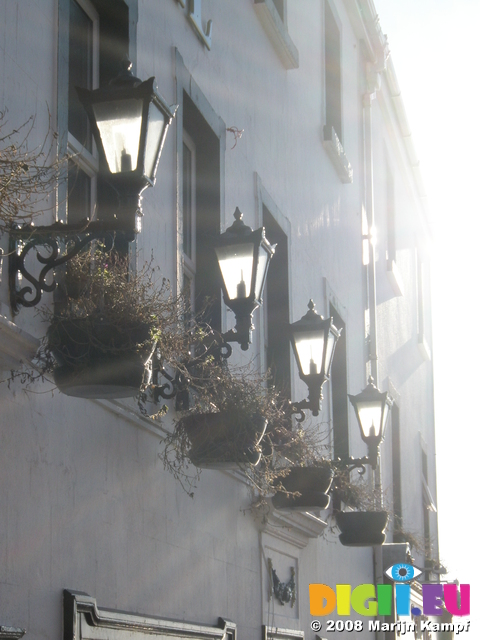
338	383
273	16
277	306
428	505
200	210
422	309
333	87
390	209
189	203
83	69
393	272
396	475
94	37
333	131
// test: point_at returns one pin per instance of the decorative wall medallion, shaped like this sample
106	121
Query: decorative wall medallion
283	591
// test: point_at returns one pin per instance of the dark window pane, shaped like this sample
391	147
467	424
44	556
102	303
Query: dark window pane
338	380
80	63
187	201
277	307
207	219
332	73
79	194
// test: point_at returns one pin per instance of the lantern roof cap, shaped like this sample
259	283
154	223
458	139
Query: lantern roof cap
238	228
312	320
125	77
370	393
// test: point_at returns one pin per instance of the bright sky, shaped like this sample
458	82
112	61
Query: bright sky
434	46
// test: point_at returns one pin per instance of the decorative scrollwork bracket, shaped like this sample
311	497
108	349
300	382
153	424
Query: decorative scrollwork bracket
61	243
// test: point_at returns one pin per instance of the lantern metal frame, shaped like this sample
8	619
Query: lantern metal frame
313	322
59	242
243	307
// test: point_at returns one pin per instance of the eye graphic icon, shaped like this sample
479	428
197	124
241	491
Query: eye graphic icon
402	572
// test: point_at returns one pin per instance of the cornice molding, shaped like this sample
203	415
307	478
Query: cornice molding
84	619
296	528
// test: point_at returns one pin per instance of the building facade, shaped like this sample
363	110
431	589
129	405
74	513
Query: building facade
326	164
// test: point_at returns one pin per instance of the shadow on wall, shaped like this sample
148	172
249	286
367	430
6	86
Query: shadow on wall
405	360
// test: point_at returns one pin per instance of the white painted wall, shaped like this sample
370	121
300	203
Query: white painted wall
85	503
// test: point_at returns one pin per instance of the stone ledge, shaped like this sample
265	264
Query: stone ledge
336	153
295	528
11	632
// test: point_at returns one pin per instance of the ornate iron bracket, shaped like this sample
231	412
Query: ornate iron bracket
357	463
283	591
175	385
298	408
62	242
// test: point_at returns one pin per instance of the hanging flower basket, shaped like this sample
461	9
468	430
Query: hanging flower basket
223	440
96	359
312	483
362	528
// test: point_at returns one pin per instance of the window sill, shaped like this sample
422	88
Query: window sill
336	153
277	33
11	632
424	348
394	277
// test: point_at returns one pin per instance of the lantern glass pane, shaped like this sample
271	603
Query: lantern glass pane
329	352
155	126
120	123
370	416
236	265
261	271
309	346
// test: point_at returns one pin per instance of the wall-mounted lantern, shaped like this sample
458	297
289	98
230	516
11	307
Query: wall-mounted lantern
243	257
129	123
313	339
371	408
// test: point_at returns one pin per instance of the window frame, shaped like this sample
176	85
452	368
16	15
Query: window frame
333	141
393	272
276	29
87	161
189	262
67	143
420	281
265	201
187	91
329	7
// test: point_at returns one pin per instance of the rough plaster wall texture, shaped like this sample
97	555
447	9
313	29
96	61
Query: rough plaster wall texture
27	88
90	506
